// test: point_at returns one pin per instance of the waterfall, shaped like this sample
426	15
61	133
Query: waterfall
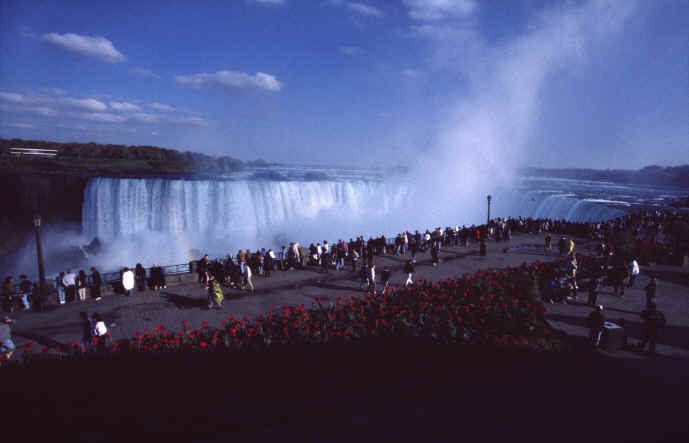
119	208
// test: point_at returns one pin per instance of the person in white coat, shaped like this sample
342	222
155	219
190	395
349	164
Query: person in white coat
633	272
128	281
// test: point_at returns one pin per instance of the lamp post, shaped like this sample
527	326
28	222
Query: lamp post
489	198
39	253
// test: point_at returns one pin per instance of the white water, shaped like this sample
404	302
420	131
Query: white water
120	208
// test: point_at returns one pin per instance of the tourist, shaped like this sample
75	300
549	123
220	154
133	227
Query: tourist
548	244
409	270
651	289
414	248
385	276
140	277
633	269
202	268
594	290
269	262
653	321
340	254
95	284
435	249
128	282
37	296
616	279
69	280
60	288
8	294
595	324
570	250
24	291
157	277
561	245
372	279
7	346
247	275
354	257
81	285
325	262
100	331
215	295
86	330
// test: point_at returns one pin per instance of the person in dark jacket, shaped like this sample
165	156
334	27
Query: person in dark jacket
202	268
95	284
594	290
140	277
616	279
651	289
25	291
81	285
435	250
595	324
409	270
157	277
653	321
86	330
385	276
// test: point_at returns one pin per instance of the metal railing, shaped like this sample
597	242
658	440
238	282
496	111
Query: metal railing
114	277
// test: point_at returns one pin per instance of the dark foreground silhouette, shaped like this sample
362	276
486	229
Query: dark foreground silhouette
384	391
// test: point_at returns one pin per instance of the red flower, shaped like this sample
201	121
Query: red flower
203	344
204	324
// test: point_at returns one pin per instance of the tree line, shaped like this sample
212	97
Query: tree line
650	175
166	160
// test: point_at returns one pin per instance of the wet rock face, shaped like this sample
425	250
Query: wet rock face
55	197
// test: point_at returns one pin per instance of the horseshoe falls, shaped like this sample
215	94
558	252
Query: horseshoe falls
115	208
174	220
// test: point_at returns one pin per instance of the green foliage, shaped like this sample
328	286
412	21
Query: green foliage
96	159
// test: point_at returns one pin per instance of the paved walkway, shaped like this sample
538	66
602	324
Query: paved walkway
125	315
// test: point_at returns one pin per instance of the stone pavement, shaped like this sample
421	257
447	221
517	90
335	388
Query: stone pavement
124	315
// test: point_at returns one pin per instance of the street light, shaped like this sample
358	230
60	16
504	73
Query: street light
39	253
489	198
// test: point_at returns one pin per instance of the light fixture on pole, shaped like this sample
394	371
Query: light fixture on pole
489	198
39	253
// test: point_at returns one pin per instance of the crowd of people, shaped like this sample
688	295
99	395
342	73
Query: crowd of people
616	265
650	230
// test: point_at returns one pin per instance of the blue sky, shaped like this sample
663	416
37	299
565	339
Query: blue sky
595	83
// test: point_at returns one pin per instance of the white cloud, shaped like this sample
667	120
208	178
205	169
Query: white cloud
12	97
93	47
224	80
144	72
412	73
433	10
364	9
44	111
124	107
99	116
154	133
350	50
144	117
161	107
89	104
20	125
196	121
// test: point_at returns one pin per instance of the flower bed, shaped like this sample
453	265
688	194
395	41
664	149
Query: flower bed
493	307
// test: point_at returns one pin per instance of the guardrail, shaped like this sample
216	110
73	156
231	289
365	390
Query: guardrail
114	277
